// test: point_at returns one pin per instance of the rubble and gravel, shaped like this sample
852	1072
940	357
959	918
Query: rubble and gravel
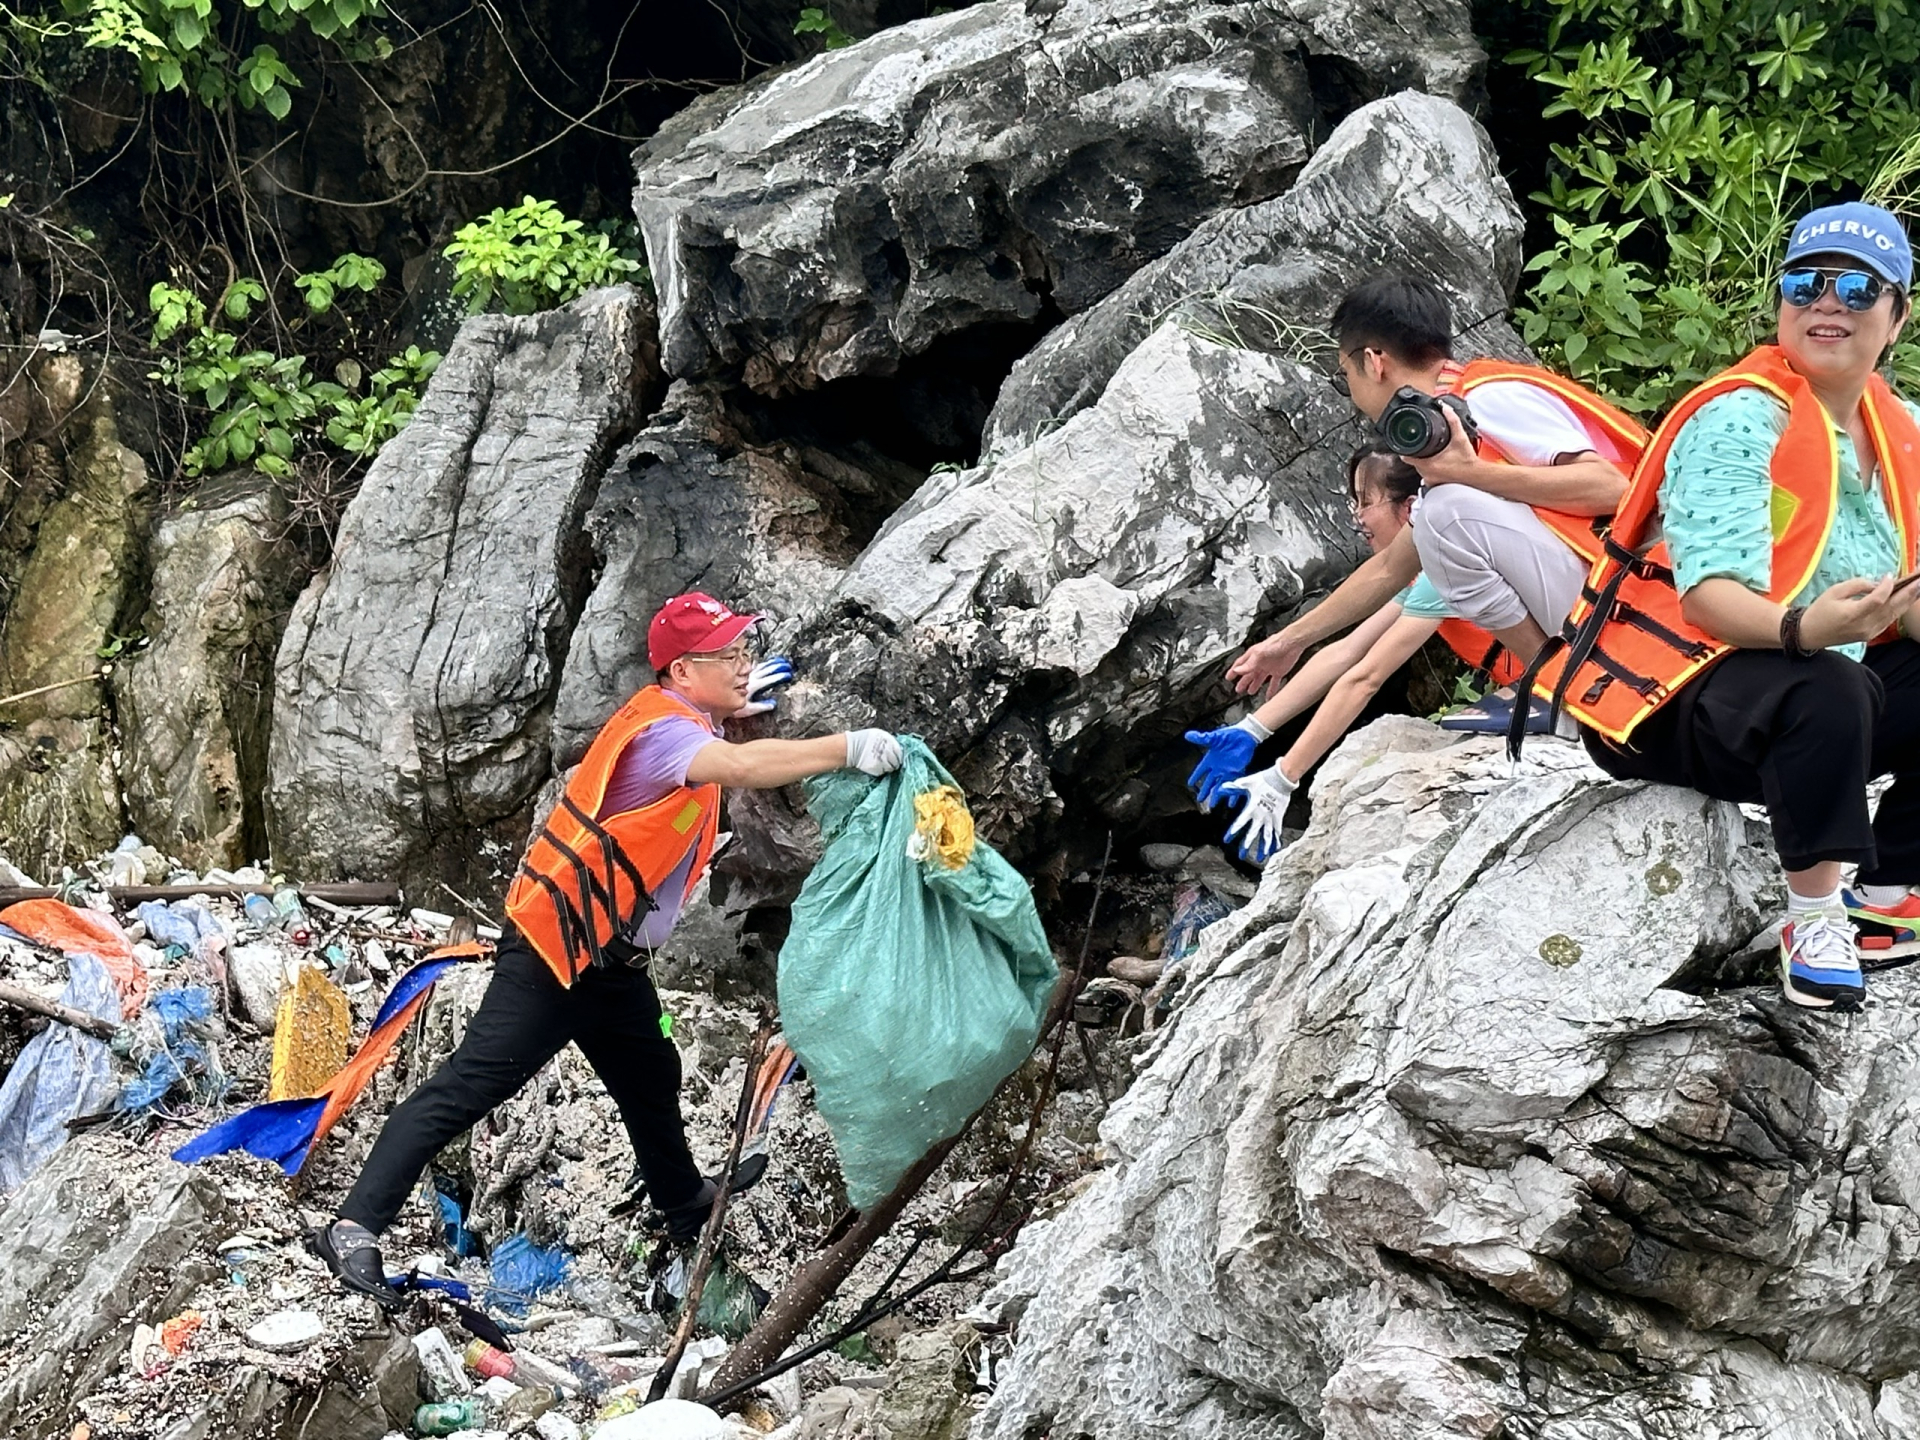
154	1301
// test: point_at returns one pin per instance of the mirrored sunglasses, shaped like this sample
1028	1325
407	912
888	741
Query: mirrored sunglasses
1855	289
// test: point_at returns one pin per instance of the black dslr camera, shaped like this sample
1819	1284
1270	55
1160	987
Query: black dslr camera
1415	424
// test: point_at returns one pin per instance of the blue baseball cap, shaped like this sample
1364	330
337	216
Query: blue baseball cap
1860	231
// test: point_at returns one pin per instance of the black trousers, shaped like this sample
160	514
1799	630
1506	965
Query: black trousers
526	1017
1802	737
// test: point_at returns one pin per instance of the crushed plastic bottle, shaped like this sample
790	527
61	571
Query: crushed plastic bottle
444	1417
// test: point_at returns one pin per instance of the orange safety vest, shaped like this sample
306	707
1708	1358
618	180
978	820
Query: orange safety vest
1613	434
585	881
1484	654
1627	648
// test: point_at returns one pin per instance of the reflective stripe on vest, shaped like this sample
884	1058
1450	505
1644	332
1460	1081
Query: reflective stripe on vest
1627	648
585	881
1613	434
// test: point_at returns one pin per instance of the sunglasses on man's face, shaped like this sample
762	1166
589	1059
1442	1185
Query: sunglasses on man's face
1855	289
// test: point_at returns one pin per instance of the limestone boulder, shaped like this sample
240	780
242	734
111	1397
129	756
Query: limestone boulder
1408	181
414	688
1475	1122
193	706
71	561
988	168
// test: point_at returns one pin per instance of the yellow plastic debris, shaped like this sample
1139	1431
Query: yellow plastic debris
310	1034
943	827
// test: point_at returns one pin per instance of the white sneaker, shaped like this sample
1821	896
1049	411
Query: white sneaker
1819	966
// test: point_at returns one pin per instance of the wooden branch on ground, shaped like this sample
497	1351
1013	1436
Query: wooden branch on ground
23	999
716	1219
352	893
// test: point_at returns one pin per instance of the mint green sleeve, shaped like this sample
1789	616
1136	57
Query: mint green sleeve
1716	502
1422	601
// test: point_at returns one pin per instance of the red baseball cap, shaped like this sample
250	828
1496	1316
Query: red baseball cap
691	624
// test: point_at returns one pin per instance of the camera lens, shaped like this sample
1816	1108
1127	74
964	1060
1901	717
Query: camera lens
1412	430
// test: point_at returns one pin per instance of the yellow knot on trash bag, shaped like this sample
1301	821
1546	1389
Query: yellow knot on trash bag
943	827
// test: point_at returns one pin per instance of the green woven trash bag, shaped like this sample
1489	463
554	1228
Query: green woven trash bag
916	973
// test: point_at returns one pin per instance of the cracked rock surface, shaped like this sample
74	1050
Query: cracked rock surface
1443	1143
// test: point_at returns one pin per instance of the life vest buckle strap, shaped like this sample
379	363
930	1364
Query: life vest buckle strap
644	901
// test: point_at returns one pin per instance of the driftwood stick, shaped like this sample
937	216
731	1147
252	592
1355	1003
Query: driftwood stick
22	999
56	685
351	893
716	1218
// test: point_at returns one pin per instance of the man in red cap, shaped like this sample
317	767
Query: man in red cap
599	889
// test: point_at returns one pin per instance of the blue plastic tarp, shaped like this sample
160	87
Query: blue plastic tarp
62	1073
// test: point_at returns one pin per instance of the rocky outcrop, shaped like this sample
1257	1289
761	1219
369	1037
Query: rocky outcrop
193	706
414	688
1453	1136
1052	619
73	527
986	168
90	1245
692	503
1408	181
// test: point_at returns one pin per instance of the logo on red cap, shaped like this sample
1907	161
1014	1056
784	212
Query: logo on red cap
691	624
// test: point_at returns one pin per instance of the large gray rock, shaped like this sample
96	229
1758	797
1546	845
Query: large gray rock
96	1241
1449	1138
415	684
1408	182
74	529
1051	620
193	706
981	168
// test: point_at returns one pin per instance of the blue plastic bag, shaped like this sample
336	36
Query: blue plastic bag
910	986
61	1073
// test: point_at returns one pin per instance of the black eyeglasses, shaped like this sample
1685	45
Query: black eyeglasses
1855	289
1339	377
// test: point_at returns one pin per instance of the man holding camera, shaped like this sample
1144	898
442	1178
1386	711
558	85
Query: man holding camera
1513	485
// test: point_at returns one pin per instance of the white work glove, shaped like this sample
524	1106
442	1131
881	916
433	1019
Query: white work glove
1258	825
873	752
770	674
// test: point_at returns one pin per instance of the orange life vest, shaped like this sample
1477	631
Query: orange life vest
1627	648
1481	651
585	881
1612	434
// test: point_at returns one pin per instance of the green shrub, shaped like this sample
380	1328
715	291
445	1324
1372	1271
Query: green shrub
531	258
263	408
1695	130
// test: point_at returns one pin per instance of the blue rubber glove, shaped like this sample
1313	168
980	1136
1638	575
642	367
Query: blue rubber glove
1229	752
1258	826
769	675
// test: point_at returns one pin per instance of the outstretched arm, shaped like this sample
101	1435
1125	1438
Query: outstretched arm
1327	665
1350	693
1361	594
769	764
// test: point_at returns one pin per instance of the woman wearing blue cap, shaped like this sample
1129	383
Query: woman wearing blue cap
1763	651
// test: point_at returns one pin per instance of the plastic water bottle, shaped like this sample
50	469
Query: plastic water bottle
443	1417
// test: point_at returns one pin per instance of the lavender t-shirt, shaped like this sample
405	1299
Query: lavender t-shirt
653	766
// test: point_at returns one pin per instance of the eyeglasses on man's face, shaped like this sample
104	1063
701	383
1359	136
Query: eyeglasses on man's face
739	657
1341	385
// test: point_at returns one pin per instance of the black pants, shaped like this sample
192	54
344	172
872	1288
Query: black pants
1802	737
526	1017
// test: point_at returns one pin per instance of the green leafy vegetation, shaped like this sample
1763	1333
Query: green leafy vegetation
179	44
262	409
532	257
815	21
1691	133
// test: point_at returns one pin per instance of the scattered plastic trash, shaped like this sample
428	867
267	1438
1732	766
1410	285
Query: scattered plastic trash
176	1334
441	1374
310	1035
73	931
521	1270
453	1225
444	1417
909	989
173	1041
667	1420
555	1426
286	1331
186	923
488	1361
285	1131
1195	907
61	1073
730	1301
